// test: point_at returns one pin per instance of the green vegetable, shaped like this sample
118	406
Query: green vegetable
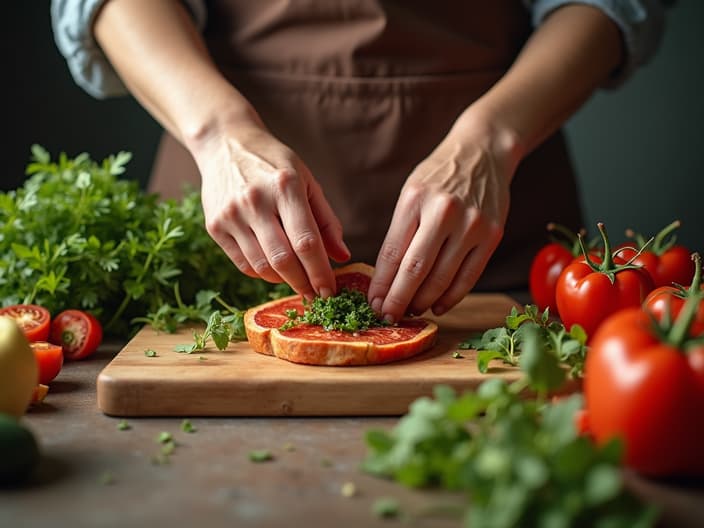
150	353
457	355
187	426
506	343
520	461
164	437
386	508
348	311
220	329
122	425
260	455
19	452
78	234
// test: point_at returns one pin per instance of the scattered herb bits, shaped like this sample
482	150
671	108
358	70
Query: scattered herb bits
187	426
150	352
386	508
123	425
348	490
106	478
457	355
260	455
164	437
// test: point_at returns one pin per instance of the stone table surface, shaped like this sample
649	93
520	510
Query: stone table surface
93	474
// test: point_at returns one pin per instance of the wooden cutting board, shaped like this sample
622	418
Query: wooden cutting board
240	382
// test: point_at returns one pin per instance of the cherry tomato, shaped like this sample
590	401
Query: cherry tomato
34	320
50	359
666	262
644	383
79	333
668	301
549	262
588	292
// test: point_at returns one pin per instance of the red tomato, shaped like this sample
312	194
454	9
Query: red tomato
670	300
648	391
78	332
33	320
588	292
547	265
50	359
666	262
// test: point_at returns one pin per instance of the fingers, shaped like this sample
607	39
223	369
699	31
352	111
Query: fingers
308	261
434	264
329	225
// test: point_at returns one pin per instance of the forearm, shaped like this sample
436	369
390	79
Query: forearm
565	60
162	59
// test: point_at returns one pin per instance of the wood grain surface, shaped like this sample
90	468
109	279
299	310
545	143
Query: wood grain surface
240	382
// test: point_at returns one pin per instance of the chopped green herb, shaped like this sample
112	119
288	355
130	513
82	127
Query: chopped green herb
160	459
457	355
288	446
386	508
202	358
107	478
348	311
260	455
150	353
164	437
187	426
326	462
122	425
168	448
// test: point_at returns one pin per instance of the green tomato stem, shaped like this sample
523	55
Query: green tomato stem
570	240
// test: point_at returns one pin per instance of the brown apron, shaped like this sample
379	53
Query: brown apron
363	90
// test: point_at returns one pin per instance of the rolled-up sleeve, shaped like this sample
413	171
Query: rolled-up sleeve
72	24
641	22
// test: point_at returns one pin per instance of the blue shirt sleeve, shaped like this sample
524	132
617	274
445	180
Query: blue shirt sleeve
641	22
72	24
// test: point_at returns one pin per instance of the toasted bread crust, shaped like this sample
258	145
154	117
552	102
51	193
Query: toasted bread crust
316	351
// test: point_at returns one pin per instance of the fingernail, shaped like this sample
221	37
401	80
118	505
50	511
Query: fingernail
325	293
376	304
389	318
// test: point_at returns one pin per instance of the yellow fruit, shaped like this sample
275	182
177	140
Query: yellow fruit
18	369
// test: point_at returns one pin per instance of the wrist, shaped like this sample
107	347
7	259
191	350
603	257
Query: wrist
221	115
494	134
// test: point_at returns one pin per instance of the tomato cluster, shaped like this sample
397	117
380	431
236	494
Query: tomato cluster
644	372
71	335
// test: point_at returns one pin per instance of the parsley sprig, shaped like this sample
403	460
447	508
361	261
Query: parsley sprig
506	343
348	311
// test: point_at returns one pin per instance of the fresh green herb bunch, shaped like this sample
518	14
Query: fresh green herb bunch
506	343
348	311
520	460
76	235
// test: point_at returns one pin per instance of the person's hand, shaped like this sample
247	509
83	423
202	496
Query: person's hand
448	220
266	211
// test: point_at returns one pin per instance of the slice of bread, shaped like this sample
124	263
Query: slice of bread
313	345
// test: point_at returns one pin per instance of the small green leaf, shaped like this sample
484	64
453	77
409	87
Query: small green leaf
260	455
187	426
122	425
386	508
164	437
150	352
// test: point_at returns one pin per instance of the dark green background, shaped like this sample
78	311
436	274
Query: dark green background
639	150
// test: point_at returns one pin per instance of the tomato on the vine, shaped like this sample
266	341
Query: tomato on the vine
666	262
33	320
666	302
548	263
587	292
79	333
50	359
644	383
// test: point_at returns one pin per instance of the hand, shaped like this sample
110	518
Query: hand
265	210
448	221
